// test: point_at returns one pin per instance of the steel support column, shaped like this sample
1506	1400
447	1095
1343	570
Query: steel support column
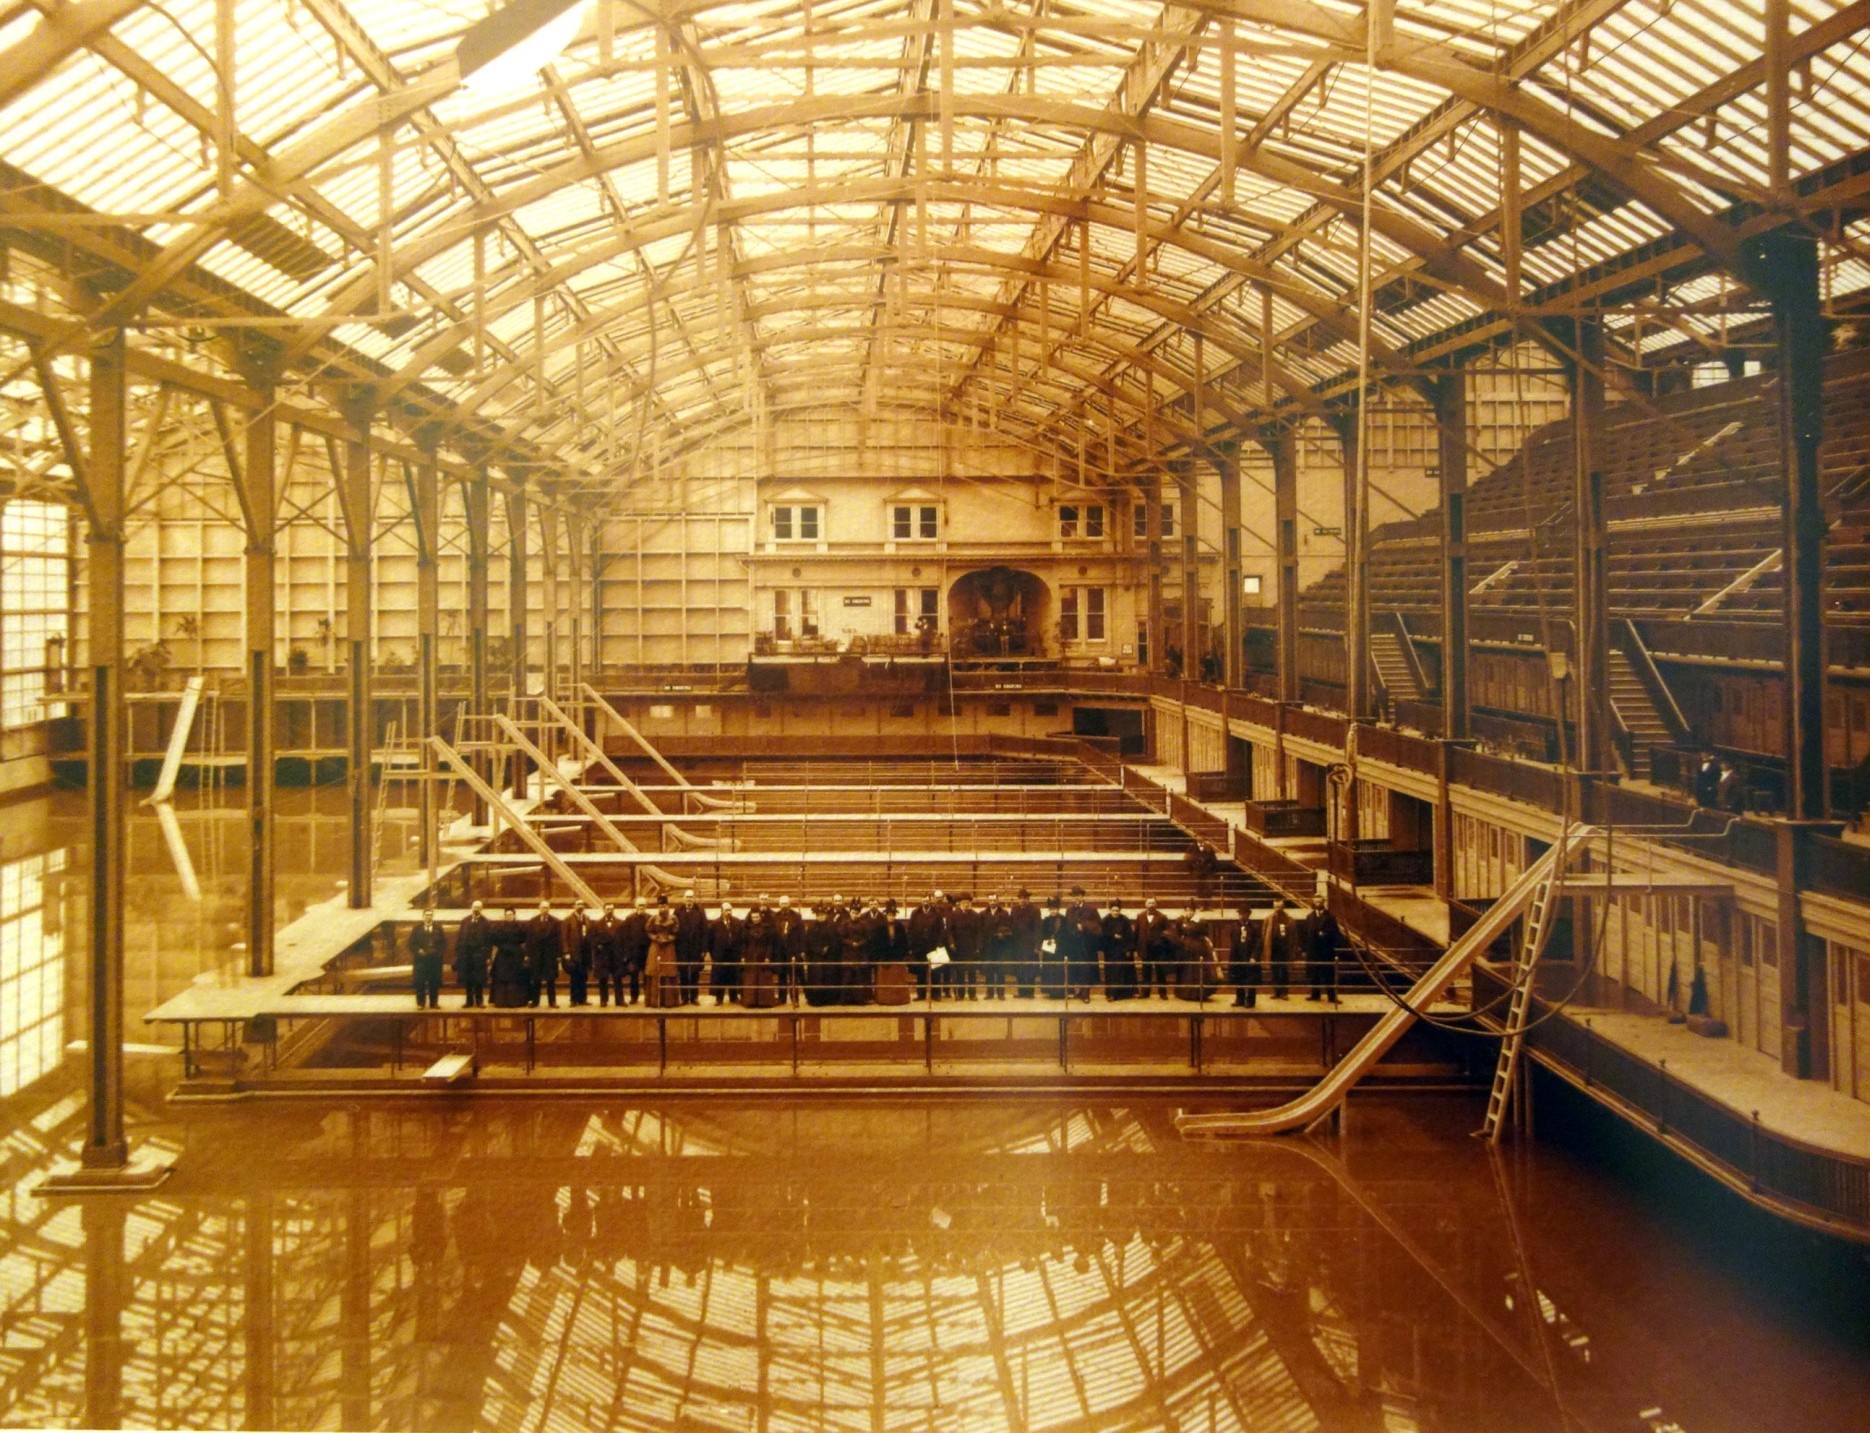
518	597
479	541
1357	695
1596	744
550	573
426	505
105	1146
1233	661
99	474
1799	329
576	567
1154	627
1282	447
260	507
1451	431
1188	487
359	519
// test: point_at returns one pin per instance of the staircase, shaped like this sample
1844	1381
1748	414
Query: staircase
1633	704
1393	669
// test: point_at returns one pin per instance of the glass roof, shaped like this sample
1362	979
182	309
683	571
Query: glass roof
737	211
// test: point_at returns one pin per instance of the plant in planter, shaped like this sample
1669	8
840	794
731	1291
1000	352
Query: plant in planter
298	661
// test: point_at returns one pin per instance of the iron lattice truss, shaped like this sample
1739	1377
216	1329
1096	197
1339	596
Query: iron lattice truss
1108	230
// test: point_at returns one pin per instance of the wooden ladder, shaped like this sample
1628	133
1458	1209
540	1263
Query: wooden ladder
1525	967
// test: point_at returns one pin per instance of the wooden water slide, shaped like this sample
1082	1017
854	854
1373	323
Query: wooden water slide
1330	1092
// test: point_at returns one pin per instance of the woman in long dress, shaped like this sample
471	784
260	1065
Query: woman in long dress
661	958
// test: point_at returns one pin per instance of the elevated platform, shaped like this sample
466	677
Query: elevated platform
1795	1147
239	1042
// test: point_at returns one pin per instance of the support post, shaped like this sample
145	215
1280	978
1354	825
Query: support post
1791	260
1592	624
104	1164
1154	626
1282	446
1451	431
1233	661
474	495
359	521
1188	488
518	596
426	505
105	1146
550	573
576	563
1357	695
259	480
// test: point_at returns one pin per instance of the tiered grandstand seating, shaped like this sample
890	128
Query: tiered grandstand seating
1711	556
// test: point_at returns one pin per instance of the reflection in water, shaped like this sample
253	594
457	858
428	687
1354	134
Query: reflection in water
891	1265
32	968
702	1264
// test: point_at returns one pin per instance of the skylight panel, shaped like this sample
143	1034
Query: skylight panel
80	132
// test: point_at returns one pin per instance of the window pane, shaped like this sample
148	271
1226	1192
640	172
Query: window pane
899	523
1094	520
808	523
782	523
34	602
928	522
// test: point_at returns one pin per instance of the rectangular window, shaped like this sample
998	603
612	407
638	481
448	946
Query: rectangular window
796	522
916	610
795	613
914	522
1140	516
35	606
1081	520
1081	614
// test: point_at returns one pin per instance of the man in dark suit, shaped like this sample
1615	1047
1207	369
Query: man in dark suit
428	943
691	944
577	958
1321	941
727	936
603	949
473	954
633	950
544	950
998	920
789	937
1243	960
1155	941
927	929
970	947
1026	923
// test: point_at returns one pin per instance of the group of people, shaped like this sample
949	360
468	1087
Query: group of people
860	952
